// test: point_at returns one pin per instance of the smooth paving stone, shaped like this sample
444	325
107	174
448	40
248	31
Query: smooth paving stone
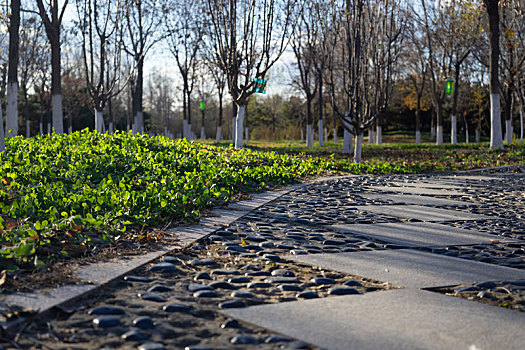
222	285
307	294
242	294
414	199
159	289
239	280
283	272
163	267
134	335
106	310
106	321
352	283
230	324
143	322
418	190
197	347
231	304
422	213
141	279
196	287
395	319
319	281
172	259
151	297
151	346
202	276
176	308
205	294
202	262
280	279
225	272
244	339
411	268
418	235
290	288
342	291
277	339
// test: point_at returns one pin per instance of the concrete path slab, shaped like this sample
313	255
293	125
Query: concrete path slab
414	234
418	190
414	199
411	268
422	213
396	319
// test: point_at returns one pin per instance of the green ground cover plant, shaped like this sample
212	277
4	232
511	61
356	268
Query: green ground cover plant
87	189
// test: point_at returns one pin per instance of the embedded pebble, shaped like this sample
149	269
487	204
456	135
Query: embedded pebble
164	267
151	297
134	335
141	279
225	272
342	291
106	310
202	276
352	283
322	280
244	339
307	294
279	279
106	321
230	324
222	285
290	288
231	304
256	285
176	307
277	339
205	294
160	289
283	272
242	294
143	322
197	287
151	346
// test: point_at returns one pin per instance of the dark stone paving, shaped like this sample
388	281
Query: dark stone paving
176	303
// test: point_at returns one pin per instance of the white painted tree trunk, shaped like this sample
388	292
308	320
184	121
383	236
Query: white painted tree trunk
99	121
2	141
190	132
11	127
58	120
521	126
477	136
379	135
467	136
28	129
320	131
246	135
218	136
111	129
203	134
358	148
239	127
70	129
309	136
139	122
432	132
302	135
371	136
496	139
234	135
418	137
49	128
508	131
40	129
325	135
439	135
347	141
335	135
453	130
185	128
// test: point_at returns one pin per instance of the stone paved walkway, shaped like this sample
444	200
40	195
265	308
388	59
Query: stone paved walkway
364	262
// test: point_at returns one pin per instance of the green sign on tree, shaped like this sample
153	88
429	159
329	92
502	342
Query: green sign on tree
449	86
260	86
202	105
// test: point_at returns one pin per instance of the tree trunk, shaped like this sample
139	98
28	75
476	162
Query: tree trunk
439	124
203	134
496	140
321	132
509	109
358	147
477	135
309	129
138	114
453	119
418	121
246	135
2	141
234	122
347	139
379	134
12	71
453	130
521	125
99	121
321	117
239	120
371	135
218	137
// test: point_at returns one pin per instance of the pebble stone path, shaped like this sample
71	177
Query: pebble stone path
302	272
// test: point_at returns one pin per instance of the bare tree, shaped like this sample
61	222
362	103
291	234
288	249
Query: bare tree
52	19
12	71
100	25
366	57
142	19
249	37
496	139
185	33
303	42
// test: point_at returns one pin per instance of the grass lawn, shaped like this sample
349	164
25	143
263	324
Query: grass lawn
64	196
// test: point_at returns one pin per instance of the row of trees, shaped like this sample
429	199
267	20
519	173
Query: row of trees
352	60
